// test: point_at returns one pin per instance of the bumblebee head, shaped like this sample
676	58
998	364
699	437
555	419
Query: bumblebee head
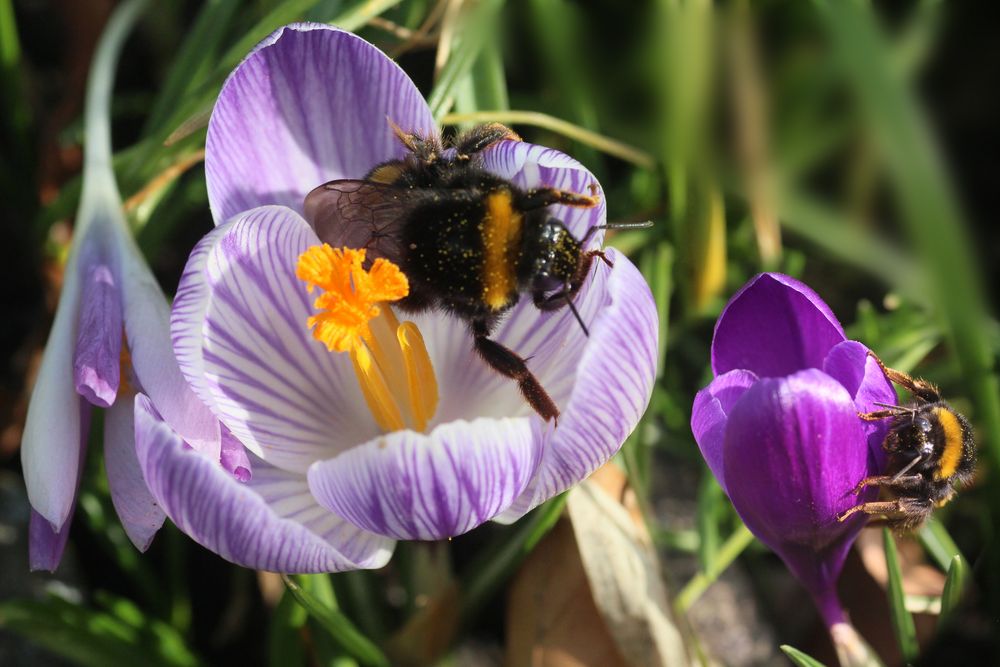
553	256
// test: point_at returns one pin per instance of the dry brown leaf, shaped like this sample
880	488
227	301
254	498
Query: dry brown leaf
591	592
623	570
552	620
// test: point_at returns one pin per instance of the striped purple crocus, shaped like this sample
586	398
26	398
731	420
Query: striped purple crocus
779	427
109	340
354	429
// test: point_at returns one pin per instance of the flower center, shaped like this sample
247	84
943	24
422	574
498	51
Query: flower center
390	359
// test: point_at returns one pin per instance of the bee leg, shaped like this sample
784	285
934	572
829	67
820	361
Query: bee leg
509	364
480	138
876	507
922	389
426	150
542	197
900	482
877	415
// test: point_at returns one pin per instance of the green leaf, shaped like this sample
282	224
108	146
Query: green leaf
902	621
931	213
284	645
122	636
481	20
338	625
937	542
954	587
724	557
799	658
495	564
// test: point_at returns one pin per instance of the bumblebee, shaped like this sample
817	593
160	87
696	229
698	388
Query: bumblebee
469	242
930	449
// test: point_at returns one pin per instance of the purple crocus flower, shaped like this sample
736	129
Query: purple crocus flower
356	430
779	426
109	340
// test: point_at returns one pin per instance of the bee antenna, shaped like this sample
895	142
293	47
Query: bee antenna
616	225
576	314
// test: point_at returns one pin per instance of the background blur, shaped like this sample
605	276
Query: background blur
850	144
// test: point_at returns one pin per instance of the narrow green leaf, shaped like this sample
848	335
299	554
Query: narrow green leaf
902	621
495	564
724	557
361	12
119	638
481	19
799	658
284	646
931	213
954	587
338	625
937	542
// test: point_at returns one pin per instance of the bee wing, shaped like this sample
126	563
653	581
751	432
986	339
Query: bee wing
361	214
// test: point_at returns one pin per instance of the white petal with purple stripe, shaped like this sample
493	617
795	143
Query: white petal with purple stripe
414	486
241	339
272	523
310	104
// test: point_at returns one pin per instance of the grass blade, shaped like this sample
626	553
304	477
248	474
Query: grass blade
902	621
954	587
937	542
799	658
339	626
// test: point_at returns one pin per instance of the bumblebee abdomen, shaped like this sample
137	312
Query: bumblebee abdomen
443	250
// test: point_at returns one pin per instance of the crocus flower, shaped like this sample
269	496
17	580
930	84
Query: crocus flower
780	430
109	340
360	430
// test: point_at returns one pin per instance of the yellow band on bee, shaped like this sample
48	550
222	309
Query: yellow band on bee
951	455
501	232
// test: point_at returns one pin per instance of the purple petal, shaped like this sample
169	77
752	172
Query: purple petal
613	382
147	328
46	545
794	449
851	364
532	166
310	104
774	326
269	524
711	413
234	457
241	339
97	359
415	486
57	421
141	517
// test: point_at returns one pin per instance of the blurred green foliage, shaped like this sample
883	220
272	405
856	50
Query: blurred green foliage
756	135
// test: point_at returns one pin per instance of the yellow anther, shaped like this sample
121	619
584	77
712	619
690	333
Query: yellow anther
390	359
421	383
350	294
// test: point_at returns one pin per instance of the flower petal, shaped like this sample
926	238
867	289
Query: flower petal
96	361
147	328
242	340
415	486
57	421
774	326
532	166
794	449
269	524
711	413
851	364
45	545
234	457
141	517
310	104
616	369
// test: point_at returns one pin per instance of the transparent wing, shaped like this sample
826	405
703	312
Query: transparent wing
361	214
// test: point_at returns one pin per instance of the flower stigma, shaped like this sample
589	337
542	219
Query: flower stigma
390	359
